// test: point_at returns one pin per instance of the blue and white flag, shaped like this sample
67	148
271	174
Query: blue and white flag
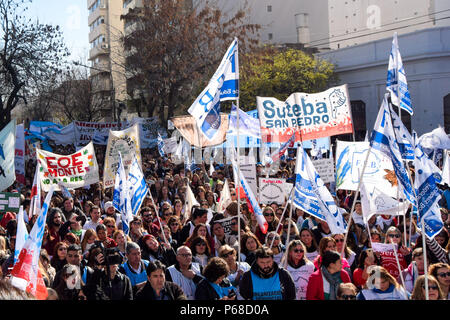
21	234
224	85
383	139
161	145
428	193
248	125
436	139
312	196
404	138
7	152
277	154
137	187
396	79
121	200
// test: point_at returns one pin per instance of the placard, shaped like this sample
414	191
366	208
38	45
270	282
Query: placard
9	201
325	169
272	190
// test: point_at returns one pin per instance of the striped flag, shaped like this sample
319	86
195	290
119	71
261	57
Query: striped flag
138	188
161	146
278	153
121	200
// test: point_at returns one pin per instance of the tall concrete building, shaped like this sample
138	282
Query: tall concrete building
106	54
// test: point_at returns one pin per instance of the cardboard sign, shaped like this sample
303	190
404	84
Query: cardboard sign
325	169
248	168
76	170
272	190
9	202
310	116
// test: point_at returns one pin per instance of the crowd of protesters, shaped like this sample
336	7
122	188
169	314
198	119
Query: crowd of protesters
172	253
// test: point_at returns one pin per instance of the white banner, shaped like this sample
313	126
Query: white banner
19	159
127	143
248	169
85	131
325	169
148	131
76	170
272	190
350	158
170	145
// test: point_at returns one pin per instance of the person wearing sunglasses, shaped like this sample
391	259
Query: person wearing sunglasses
237	269
381	285
349	254
277	247
441	271
346	291
299	266
201	251
293	232
272	221
388	257
414	270
434	289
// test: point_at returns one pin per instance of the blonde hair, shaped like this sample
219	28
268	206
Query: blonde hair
89	233
382	273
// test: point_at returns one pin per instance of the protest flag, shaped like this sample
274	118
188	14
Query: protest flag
7	152
190	202
225	197
137	187
35	205
121	200
25	274
21	234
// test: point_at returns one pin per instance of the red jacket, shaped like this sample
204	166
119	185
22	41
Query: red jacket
314	291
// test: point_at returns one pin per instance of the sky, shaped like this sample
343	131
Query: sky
72	17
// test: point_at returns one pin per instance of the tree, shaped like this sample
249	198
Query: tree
30	53
271	72
173	50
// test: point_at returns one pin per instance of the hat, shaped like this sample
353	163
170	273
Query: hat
108	205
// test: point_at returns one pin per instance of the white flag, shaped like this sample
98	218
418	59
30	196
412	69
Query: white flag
190	202
21	234
225	197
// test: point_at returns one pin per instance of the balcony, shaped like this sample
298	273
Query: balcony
100	11
98	50
132	5
97	31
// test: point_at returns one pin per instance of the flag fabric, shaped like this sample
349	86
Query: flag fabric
21	234
35	204
7	152
190	202
312	196
243	184
121	200
428	193
65	192
277	154
383	139
161	146
436	139
446	169
404	138
248	125
224	85
376	201
25	274
225	197
137	187
396	79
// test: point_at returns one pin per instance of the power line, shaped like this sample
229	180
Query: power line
381	31
387	24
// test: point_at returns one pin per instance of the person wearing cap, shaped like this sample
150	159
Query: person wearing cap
110	211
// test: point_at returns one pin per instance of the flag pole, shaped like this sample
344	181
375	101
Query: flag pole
424	245
284	211
398	264
238	161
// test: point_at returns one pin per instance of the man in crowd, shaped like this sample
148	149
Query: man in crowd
95	219
199	215
135	267
69	209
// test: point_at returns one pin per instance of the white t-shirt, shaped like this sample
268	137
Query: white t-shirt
301	277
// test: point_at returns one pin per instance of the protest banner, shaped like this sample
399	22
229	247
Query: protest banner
9	201
226	224
310	116
350	158
148	131
170	145
272	190
127	143
19	159
85	131
76	170
7	151
248	169
325	169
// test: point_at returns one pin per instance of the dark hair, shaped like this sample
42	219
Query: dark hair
155	265
100	227
363	255
198	212
198	240
74	247
330	257
313	241
263	252
216	268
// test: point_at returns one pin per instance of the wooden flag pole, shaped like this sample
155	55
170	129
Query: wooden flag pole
398	264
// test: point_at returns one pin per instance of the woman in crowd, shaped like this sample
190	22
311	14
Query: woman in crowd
111	227
381	285
307	237
215	285
249	245
211	200
393	235
414	270
44	260
441	271
200	230
121	239
201	252
299	267
237	269
178	209
346	291
434	290
136	229
294	233
273	241
90	236
59	256
328	244
348	253
366	259
175	229
272	221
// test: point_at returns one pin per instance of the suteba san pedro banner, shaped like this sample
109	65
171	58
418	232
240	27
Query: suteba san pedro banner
310	116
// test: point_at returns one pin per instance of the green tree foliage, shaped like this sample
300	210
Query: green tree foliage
271	72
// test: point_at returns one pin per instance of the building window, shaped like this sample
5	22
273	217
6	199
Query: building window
269	8
447	113
270	36
94	6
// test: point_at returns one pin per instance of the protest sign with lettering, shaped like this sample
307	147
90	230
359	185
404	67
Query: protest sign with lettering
85	131
325	169
76	170
309	115
127	143
148	131
19	159
9	201
248	169
7	151
379	171
272	190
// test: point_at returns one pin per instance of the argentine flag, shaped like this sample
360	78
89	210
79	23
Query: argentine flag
312	196
137	187
121	200
223	86
396	79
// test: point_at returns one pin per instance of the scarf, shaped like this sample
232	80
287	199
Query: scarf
334	280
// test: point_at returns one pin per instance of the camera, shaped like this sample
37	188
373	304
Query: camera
111	255
231	294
